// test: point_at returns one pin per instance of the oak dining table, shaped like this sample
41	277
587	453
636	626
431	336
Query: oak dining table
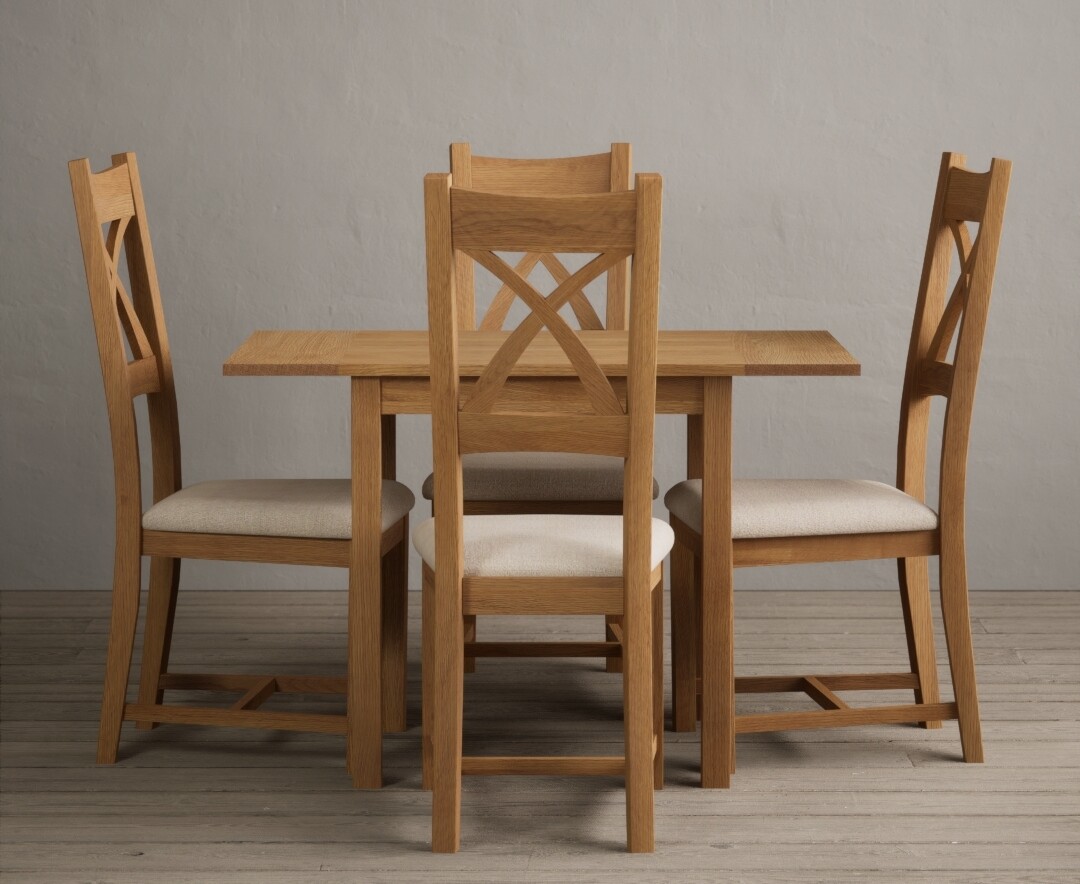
390	375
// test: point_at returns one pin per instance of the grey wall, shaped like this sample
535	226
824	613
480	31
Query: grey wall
282	147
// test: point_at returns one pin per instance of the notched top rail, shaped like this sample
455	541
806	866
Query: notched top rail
585	223
965	195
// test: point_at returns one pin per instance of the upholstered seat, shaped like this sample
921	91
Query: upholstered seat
271	507
543	545
807	508
512	475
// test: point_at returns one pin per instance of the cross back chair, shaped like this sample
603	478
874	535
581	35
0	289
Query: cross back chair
542	563
776	522
515	482
290	521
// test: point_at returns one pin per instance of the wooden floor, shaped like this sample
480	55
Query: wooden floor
861	804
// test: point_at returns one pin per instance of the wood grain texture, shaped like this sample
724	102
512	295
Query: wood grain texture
404	354
879	804
134	321
960	196
468	221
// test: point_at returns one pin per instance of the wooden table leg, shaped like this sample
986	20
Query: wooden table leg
395	603
717	590
364	691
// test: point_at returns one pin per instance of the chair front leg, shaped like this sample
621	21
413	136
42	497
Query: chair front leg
919	626
157	633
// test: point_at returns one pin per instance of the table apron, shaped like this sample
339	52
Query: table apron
412	395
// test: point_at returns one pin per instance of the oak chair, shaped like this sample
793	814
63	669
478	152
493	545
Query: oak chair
542	563
288	521
516	482
777	522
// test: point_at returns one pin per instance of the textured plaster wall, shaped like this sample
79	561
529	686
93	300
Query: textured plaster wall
282	148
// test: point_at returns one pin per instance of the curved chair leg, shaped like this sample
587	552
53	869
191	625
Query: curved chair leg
957	617
395	631
919	625
684	636
157	633
658	683
125	613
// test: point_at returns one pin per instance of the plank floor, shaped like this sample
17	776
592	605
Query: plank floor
859	804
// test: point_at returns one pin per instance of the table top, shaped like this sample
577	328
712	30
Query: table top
405	354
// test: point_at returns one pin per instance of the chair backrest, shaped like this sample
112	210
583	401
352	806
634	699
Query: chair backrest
478	417
961	197
112	219
563	176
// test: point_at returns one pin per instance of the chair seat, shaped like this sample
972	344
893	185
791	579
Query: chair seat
315	508
513	475
807	508
543	545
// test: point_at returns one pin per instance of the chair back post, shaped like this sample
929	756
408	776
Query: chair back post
969	344
114	197
562	176
443	324
641	395
961	196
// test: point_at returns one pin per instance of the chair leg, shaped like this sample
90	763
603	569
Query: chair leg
613	664
125	614
427	676
684	629
470	636
157	633
957	618
919	625
638	719
395	629
658	683
446	705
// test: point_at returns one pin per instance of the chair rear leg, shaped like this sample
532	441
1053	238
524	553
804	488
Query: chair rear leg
956	615
395	631
125	614
427	676
919	625
658	683
157	632
638	719
446	706
684	636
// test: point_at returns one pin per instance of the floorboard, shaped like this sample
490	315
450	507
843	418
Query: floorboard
859	804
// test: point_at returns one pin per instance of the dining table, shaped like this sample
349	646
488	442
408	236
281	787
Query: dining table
390	374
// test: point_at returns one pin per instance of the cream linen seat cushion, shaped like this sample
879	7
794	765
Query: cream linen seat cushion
318	508
807	508
513	475
543	545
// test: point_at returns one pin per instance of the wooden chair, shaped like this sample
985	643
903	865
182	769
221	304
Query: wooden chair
542	563
776	522
516	482
291	521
